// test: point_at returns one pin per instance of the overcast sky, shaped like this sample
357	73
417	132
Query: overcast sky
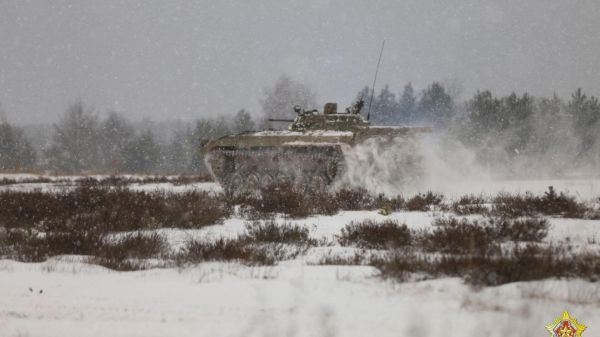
188	59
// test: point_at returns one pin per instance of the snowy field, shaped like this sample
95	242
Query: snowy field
66	297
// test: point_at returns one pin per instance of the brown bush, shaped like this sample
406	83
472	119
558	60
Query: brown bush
516	265
369	234
468	205
83	238
272	232
117	209
359	257
560	204
521	205
196	251
128	252
282	199
529	229
453	236
353	199
423	202
119	181
28	245
39	180
401	264
514	205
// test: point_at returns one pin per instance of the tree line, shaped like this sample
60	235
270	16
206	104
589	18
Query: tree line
512	131
520	134
82	142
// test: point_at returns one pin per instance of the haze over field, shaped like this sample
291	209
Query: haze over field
149	186
189	59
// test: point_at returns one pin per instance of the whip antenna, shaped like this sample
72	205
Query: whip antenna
375	80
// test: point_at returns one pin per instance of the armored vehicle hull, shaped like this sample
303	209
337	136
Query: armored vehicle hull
309	156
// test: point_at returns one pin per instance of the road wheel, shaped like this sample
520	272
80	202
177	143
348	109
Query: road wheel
318	183
282	179
267	181
236	183
252	182
332	169
300	183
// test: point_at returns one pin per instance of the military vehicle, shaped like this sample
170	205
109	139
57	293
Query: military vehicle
309	155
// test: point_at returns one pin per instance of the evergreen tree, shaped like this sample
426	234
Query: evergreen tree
436	106
516	119
206	129
116	132
407	106
75	146
585	113
484	112
141	154
385	108
8	147
180	152
15	148
242	122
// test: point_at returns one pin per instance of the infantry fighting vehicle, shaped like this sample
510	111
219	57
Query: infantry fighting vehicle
309	156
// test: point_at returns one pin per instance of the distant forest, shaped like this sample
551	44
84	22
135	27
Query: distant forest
519	133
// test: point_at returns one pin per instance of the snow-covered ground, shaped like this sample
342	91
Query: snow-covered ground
291	299
65	297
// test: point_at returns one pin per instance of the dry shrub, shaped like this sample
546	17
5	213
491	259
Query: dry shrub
117	209
516	265
424	202
514	205
401	264
82	238
362	200
521	230
112	180
360	257
560	204
532	263
261	244
468	205
455	236
272	232
128	252
520	205
353	199
136	245
369	234
282	199
196	251
29	245
39	180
